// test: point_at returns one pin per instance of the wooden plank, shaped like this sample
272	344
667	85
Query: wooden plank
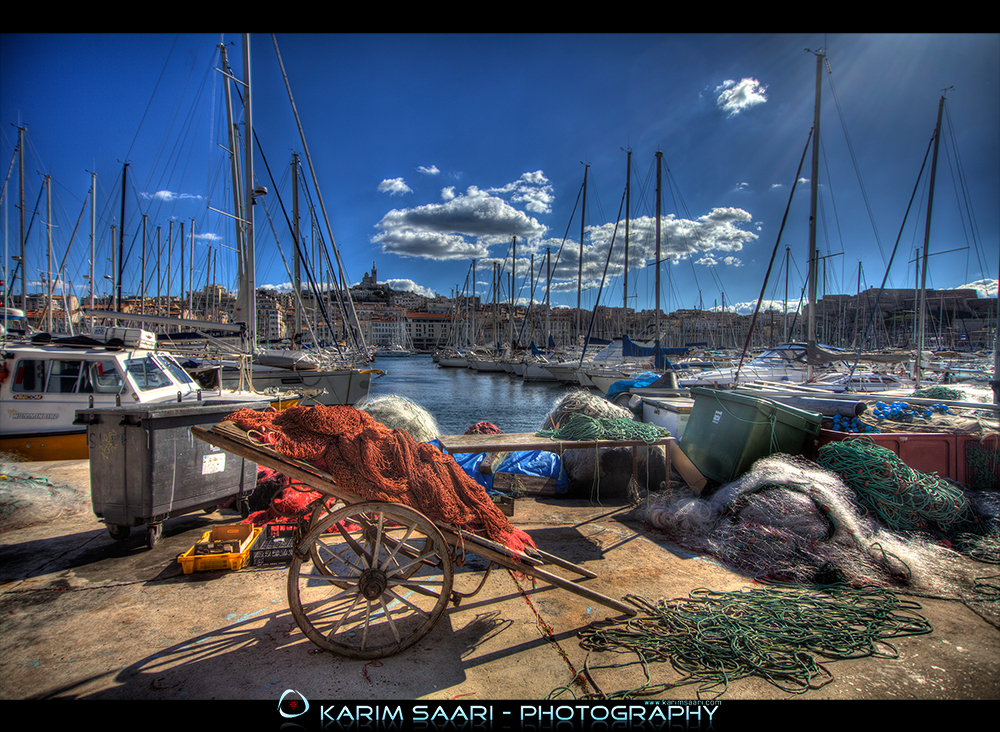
263	455
504	560
685	468
531	485
524	441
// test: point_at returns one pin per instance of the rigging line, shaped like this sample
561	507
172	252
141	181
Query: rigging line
597	300
298	295
359	338
878	298
833	203
854	161
569	223
784	219
961	190
151	96
966	196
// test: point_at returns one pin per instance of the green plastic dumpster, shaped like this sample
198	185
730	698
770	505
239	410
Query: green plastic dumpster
727	432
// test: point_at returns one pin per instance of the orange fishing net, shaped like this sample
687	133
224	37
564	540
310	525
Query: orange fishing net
377	463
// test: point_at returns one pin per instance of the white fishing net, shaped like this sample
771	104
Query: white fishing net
788	520
399	413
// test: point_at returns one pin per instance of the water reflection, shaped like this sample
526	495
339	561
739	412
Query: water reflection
459	398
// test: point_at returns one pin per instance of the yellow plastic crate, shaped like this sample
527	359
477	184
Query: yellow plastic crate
191	562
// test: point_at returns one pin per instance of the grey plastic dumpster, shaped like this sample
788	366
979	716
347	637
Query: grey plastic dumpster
146	467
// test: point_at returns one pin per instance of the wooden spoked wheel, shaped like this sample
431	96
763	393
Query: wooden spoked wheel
369	580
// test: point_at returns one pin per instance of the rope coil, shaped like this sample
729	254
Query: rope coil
782	636
581	427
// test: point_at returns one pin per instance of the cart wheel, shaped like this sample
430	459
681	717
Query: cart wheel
377	584
324	510
244	507
153	534
118	533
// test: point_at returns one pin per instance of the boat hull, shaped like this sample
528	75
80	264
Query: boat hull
341	386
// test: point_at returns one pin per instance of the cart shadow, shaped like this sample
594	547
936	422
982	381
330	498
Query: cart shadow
94	555
229	663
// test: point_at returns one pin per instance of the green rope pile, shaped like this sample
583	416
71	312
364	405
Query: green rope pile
714	638
982	466
902	498
580	426
940	392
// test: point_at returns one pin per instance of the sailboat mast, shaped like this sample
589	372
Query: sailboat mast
48	198
93	236
659	159
628	208
248	191
548	284
814	190
21	210
121	244
579	274
297	263
927	239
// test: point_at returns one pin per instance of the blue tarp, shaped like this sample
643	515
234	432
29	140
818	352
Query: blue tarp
644	379
538	463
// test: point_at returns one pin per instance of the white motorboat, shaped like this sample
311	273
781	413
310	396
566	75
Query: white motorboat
861	382
786	363
43	384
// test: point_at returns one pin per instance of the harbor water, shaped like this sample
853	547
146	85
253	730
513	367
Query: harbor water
459	398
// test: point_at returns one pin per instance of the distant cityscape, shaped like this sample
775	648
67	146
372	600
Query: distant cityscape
954	319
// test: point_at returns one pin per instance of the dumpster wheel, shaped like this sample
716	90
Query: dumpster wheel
153	534
118	533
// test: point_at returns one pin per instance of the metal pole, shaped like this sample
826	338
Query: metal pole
811	321
927	237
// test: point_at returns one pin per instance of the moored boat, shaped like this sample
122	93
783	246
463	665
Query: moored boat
43	384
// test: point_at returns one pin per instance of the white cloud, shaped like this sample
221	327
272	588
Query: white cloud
464	226
735	97
986	288
394	186
170	196
428	170
710	240
403	285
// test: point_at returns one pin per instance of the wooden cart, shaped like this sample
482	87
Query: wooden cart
369	579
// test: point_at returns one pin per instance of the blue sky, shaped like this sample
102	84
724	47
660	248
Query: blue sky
433	151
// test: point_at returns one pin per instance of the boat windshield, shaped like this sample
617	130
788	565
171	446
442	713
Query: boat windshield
780	356
154	371
180	375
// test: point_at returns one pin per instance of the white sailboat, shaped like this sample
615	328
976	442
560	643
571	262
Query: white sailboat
330	376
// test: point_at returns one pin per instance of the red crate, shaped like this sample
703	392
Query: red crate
942	453
932	452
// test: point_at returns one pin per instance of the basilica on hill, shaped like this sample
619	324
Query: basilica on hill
370	281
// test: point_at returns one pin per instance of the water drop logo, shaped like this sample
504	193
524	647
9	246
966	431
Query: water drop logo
293	707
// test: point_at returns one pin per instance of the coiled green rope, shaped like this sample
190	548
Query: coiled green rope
782	636
580	427
902	498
